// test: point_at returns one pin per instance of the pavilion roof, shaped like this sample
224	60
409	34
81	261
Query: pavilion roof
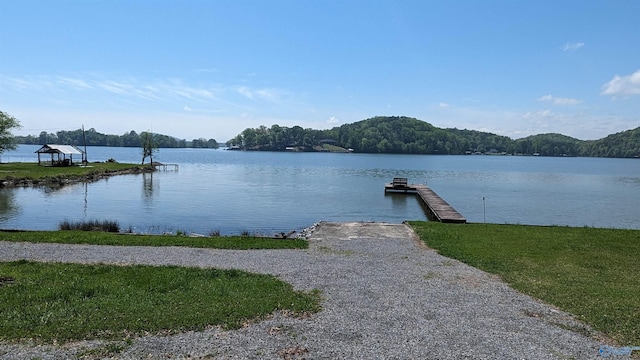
60	149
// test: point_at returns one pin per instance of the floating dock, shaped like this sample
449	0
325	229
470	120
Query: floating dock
439	210
158	165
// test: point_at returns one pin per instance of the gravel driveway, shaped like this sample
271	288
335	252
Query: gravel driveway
386	296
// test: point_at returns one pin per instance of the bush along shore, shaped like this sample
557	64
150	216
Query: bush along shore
32	174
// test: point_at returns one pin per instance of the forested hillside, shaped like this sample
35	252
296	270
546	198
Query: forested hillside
401	135
392	134
94	138
404	135
623	144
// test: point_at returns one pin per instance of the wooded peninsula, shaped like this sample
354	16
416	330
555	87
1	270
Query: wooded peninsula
404	135
382	134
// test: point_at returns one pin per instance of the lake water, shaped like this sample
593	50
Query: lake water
267	192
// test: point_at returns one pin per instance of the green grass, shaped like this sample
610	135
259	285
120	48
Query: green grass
43	174
591	273
57	302
104	238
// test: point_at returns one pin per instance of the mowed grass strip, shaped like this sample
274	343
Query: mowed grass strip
33	171
591	273
61	302
105	238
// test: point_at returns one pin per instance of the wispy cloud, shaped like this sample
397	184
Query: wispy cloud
189	92
26	83
333	120
245	91
572	46
559	100
623	85
269	94
265	94
162	90
443	105
79	84
538	114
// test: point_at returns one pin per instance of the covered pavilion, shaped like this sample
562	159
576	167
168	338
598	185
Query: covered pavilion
61	155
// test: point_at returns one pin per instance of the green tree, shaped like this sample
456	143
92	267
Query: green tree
7	140
131	139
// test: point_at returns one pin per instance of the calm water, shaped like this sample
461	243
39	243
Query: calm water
231	192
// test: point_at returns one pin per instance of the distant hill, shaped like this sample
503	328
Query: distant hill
404	135
623	144
550	144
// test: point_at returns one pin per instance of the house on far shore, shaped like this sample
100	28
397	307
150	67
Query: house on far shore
61	155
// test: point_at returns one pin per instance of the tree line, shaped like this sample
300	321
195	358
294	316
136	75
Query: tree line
382	134
404	135
130	139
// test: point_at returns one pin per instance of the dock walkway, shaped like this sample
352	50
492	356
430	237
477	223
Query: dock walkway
439	209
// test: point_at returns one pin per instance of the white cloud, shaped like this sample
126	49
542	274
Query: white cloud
572	46
26	83
538	114
125	88
623	85
267	94
186	108
202	95
75	83
559	100
245	91
115	87
443	105
332	120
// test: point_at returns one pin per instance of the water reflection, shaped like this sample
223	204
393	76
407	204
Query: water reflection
398	201
8	205
86	202
148	186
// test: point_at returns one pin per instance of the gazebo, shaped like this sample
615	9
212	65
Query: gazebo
59	154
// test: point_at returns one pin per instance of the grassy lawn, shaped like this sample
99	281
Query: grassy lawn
40	173
105	238
591	273
51	302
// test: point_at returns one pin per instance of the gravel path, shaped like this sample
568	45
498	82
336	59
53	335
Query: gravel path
386	296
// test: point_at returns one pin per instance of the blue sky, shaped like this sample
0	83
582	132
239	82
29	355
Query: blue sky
212	68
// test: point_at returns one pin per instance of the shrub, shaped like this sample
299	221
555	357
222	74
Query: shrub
90	225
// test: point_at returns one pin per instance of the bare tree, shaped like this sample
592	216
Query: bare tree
148	146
